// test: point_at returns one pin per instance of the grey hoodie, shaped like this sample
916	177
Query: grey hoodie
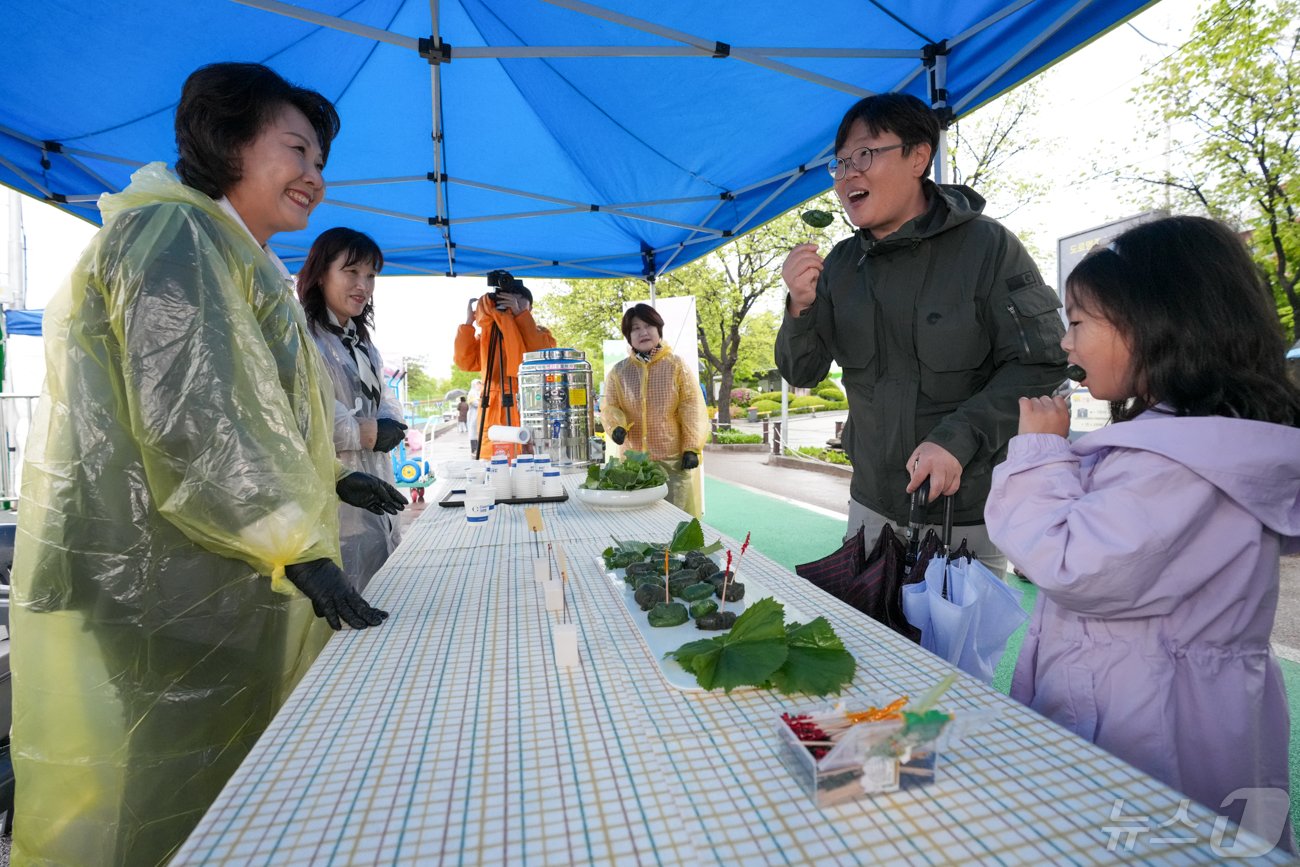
939	329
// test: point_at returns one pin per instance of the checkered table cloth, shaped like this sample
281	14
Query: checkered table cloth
449	736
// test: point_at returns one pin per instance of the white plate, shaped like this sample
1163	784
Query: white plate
659	640
454	469
622	499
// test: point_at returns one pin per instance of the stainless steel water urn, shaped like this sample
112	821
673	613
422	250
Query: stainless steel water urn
555	404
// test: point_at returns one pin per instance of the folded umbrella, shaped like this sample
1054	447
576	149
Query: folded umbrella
965	613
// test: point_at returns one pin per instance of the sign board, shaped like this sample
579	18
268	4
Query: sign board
1071	249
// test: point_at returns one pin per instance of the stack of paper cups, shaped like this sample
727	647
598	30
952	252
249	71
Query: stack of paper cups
525	482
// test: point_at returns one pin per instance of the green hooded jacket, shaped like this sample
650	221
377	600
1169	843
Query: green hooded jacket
939	329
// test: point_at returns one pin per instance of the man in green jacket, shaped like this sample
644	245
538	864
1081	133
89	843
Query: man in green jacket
937	316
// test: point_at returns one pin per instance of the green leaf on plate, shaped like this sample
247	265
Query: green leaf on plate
817	663
748	655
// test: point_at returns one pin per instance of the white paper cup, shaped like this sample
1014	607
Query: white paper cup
474	475
554	591
565	637
478	505
551	484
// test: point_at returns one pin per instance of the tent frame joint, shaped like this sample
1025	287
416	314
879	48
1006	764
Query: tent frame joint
435	51
721	50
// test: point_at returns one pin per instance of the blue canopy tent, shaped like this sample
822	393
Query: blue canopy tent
555	138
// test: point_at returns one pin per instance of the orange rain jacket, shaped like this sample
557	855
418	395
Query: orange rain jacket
519	334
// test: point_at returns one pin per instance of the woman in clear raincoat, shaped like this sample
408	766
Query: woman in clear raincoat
336	287
180	455
653	403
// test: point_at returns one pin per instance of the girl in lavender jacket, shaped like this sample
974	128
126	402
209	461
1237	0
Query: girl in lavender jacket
1154	543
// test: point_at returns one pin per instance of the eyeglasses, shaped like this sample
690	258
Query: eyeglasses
860	159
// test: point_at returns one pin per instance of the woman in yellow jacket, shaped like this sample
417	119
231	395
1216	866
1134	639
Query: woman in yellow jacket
652	403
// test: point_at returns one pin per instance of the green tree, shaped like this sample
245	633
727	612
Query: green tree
419	385
1226	104
732	283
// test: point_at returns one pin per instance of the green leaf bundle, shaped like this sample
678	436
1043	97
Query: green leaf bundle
634	472
761	651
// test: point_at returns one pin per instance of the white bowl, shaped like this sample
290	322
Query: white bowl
622	499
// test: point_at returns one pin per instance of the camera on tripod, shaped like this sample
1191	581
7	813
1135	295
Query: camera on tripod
503	283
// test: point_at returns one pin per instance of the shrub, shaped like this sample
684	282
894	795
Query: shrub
713	412
774	396
806	400
764	405
742	396
830	393
830	456
738	411
727	436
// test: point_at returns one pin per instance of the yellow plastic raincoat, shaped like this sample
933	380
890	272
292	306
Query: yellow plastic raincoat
181	453
366	538
660	405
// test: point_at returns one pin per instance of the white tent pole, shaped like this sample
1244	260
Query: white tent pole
440	169
335	23
978	91
712	46
938	83
988	22
532	52
785	415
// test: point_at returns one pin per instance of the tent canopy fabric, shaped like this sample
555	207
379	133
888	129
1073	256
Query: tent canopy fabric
554	138
23	323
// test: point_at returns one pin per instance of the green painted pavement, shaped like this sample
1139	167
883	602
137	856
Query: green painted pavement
791	534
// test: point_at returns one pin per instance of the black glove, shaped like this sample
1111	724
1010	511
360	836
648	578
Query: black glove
389	432
332	597
367	492
618	435
690	460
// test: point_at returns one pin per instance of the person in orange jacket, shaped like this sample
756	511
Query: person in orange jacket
505	331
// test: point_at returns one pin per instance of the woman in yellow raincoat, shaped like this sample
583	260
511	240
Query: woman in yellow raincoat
180	455
653	403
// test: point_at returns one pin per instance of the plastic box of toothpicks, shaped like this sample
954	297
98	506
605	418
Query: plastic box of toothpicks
834	757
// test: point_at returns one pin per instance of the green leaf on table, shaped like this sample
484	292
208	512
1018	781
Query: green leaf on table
748	655
817	663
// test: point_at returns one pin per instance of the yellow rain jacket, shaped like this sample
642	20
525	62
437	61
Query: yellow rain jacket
660	405
181	453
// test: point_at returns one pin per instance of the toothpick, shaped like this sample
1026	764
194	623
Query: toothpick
730	575
667	595
726	573
562	561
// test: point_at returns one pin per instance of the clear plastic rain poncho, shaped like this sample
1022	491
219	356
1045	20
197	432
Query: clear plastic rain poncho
180	455
366	538
660	405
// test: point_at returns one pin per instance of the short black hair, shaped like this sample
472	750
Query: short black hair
1200	320
328	246
646	314
904	115
224	107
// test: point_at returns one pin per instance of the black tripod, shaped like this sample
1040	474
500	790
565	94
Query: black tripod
496	353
